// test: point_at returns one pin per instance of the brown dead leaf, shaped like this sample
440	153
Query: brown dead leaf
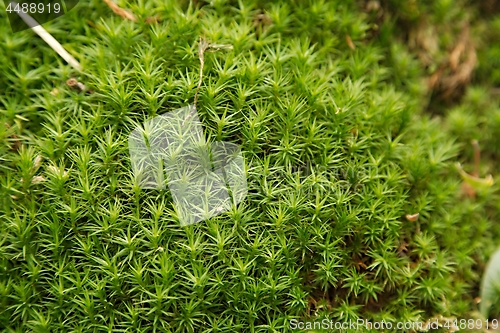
456	71
458	50
120	11
461	76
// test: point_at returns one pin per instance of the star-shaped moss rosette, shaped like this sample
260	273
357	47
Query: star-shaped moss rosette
340	151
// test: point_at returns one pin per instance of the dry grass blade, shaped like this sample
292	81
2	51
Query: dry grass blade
120	11
205	46
349	42
454	58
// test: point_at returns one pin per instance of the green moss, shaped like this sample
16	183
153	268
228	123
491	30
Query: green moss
338	151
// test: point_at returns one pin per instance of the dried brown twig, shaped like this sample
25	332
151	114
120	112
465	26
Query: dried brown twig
204	46
120	11
48	38
349	42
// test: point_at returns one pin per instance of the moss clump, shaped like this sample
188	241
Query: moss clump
337	148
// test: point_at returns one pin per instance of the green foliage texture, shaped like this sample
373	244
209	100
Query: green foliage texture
338	150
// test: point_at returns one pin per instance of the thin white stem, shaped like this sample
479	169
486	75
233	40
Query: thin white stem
53	43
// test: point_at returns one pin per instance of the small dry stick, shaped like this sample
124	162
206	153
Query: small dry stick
120	11
351	45
53	43
204	46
